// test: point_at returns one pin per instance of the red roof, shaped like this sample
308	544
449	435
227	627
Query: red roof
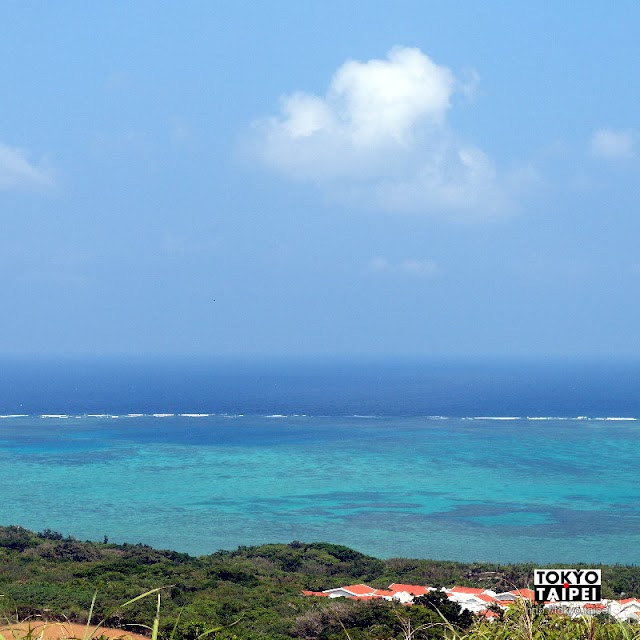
628	600
595	605
413	589
315	593
356	589
485	598
360	591
469	590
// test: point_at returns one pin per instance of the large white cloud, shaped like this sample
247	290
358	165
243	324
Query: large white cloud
380	138
16	172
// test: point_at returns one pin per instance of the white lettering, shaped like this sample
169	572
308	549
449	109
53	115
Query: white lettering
573	577
592	577
553	595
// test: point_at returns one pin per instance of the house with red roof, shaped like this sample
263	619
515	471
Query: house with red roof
365	592
411	589
352	590
512	596
472	599
477	600
625	609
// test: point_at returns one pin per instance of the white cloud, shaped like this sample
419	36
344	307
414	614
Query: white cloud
16	172
418	268
379	138
613	145
382	100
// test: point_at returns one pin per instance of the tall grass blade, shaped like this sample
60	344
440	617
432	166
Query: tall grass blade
216	629
122	606
175	625
156	621
93	604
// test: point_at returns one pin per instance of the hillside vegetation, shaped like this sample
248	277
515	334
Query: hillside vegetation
256	589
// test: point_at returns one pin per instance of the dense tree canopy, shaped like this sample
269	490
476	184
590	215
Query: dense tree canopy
255	589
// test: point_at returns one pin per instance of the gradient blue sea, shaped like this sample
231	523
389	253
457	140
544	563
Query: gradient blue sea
496	461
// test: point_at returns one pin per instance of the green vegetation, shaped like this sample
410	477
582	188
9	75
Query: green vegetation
258	591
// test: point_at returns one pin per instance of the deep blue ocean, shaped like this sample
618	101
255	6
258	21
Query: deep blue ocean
486	460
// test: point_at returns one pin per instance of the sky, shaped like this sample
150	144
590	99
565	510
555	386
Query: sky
367	179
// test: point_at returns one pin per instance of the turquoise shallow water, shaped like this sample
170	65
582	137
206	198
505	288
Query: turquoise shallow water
464	489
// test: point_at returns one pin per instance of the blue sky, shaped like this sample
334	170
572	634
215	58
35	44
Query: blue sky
335	178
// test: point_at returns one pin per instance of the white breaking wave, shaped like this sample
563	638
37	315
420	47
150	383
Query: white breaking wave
105	416
552	418
558	418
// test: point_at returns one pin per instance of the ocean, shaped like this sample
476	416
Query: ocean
505	461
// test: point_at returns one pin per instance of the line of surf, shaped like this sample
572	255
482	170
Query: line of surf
275	416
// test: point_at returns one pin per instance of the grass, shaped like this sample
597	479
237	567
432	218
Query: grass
91	630
523	621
